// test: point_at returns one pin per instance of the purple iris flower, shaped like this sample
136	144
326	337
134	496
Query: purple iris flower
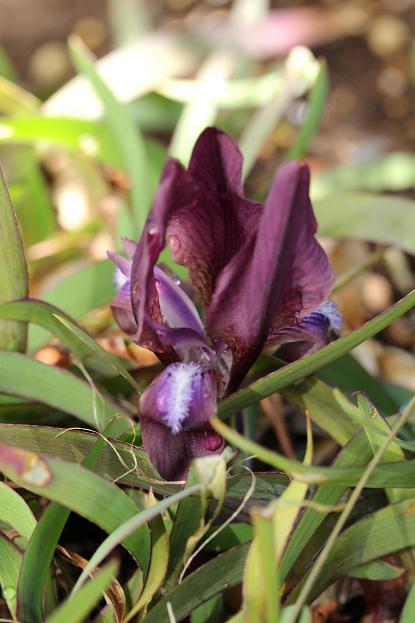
257	268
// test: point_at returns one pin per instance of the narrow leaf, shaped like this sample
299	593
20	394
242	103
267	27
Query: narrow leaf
25	377
13	273
75	609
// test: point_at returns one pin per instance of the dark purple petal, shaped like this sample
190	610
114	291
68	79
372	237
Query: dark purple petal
172	454
182	397
175	187
279	276
206	233
311	334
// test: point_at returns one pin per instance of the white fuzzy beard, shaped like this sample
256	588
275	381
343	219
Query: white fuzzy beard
178	394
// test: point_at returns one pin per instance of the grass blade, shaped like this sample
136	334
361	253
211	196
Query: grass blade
408	612
120	461
15	512
316	104
208	580
40	550
127	137
79	489
75	609
298	370
10	561
61	325
125	530
25	377
13	272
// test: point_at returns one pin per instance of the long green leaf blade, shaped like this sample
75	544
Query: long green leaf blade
75	609
61	325
25	377
13	273
79	489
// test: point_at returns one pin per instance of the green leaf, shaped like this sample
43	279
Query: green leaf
348	374
261	588
13	273
234	534
89	137
305	615
10	561
125	134
75	609
90	287
36	560
408	612
298	370
30	379
356	452
319	564
366	216
389	530
62	326
209	612
33	204
376	570
317	399
316	474
39	552
7	69
316	104
212	578
118	461
15	512
79	489
126	531
158	562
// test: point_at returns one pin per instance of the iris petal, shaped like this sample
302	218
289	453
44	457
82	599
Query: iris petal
311	334
174	415
206	233
172	454
279	275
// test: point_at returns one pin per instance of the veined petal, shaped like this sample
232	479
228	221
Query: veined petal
172	454
311	334
279	276
206	233
174	189
182	397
